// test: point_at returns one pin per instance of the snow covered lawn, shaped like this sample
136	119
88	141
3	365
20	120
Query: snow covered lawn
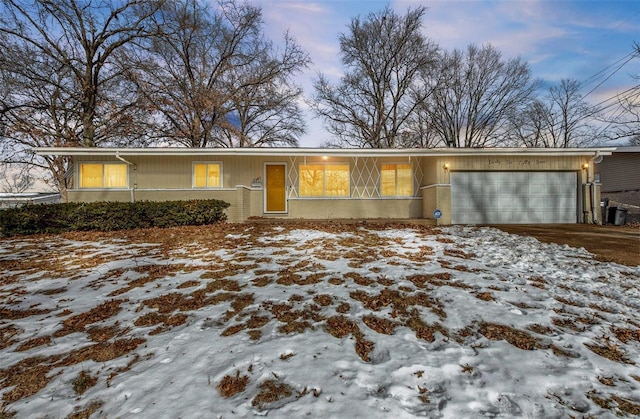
328	321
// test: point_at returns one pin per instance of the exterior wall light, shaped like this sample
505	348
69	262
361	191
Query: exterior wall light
446	166
585	166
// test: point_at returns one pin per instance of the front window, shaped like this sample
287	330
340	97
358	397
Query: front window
103	175
396	180
324	180
207	175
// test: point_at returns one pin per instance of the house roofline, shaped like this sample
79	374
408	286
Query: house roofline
628	149
343	152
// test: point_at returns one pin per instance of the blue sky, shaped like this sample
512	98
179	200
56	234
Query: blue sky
582	39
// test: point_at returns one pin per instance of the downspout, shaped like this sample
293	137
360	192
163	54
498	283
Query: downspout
592	187
135	175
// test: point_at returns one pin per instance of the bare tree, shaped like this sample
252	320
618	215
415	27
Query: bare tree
66	89
79	38
15	178
526	124
475	91
264	100
624	122
569	116
271	117
386	58
560	119
214	81
37	112
420	131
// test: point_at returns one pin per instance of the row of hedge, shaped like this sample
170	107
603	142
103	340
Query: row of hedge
108	216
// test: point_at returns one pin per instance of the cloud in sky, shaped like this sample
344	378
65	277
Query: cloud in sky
310	23
559	39
515	30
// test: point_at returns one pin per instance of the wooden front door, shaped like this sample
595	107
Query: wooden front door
276	188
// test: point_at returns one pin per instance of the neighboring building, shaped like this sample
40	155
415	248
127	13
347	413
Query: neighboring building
10	200
619	175
448	186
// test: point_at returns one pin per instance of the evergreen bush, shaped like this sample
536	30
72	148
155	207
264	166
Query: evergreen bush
109	216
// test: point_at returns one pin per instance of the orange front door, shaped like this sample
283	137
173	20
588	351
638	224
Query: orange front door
276	191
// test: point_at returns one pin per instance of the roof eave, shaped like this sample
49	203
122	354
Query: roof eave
417	152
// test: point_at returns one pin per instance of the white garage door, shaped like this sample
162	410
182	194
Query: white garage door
513	197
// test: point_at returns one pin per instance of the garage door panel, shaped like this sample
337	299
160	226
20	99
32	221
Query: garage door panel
487	200
492	189
472	181
537	188
562	203
510	189
556	190
560	217
538	177
471	218
538	202
553	202
519	217
513	197
519	177
535	217
559	177
490	181
509	216
566	219
505	202
466	203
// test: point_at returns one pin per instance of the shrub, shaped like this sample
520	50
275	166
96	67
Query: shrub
109	216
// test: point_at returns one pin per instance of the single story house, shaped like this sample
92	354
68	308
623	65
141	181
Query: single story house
447	186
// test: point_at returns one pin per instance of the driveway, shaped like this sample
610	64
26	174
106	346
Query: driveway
619	244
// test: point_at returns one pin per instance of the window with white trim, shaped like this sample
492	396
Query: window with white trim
396	180
103	175
324	180
207	175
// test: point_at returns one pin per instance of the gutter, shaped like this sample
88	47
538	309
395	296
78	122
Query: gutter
135	174
319	152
